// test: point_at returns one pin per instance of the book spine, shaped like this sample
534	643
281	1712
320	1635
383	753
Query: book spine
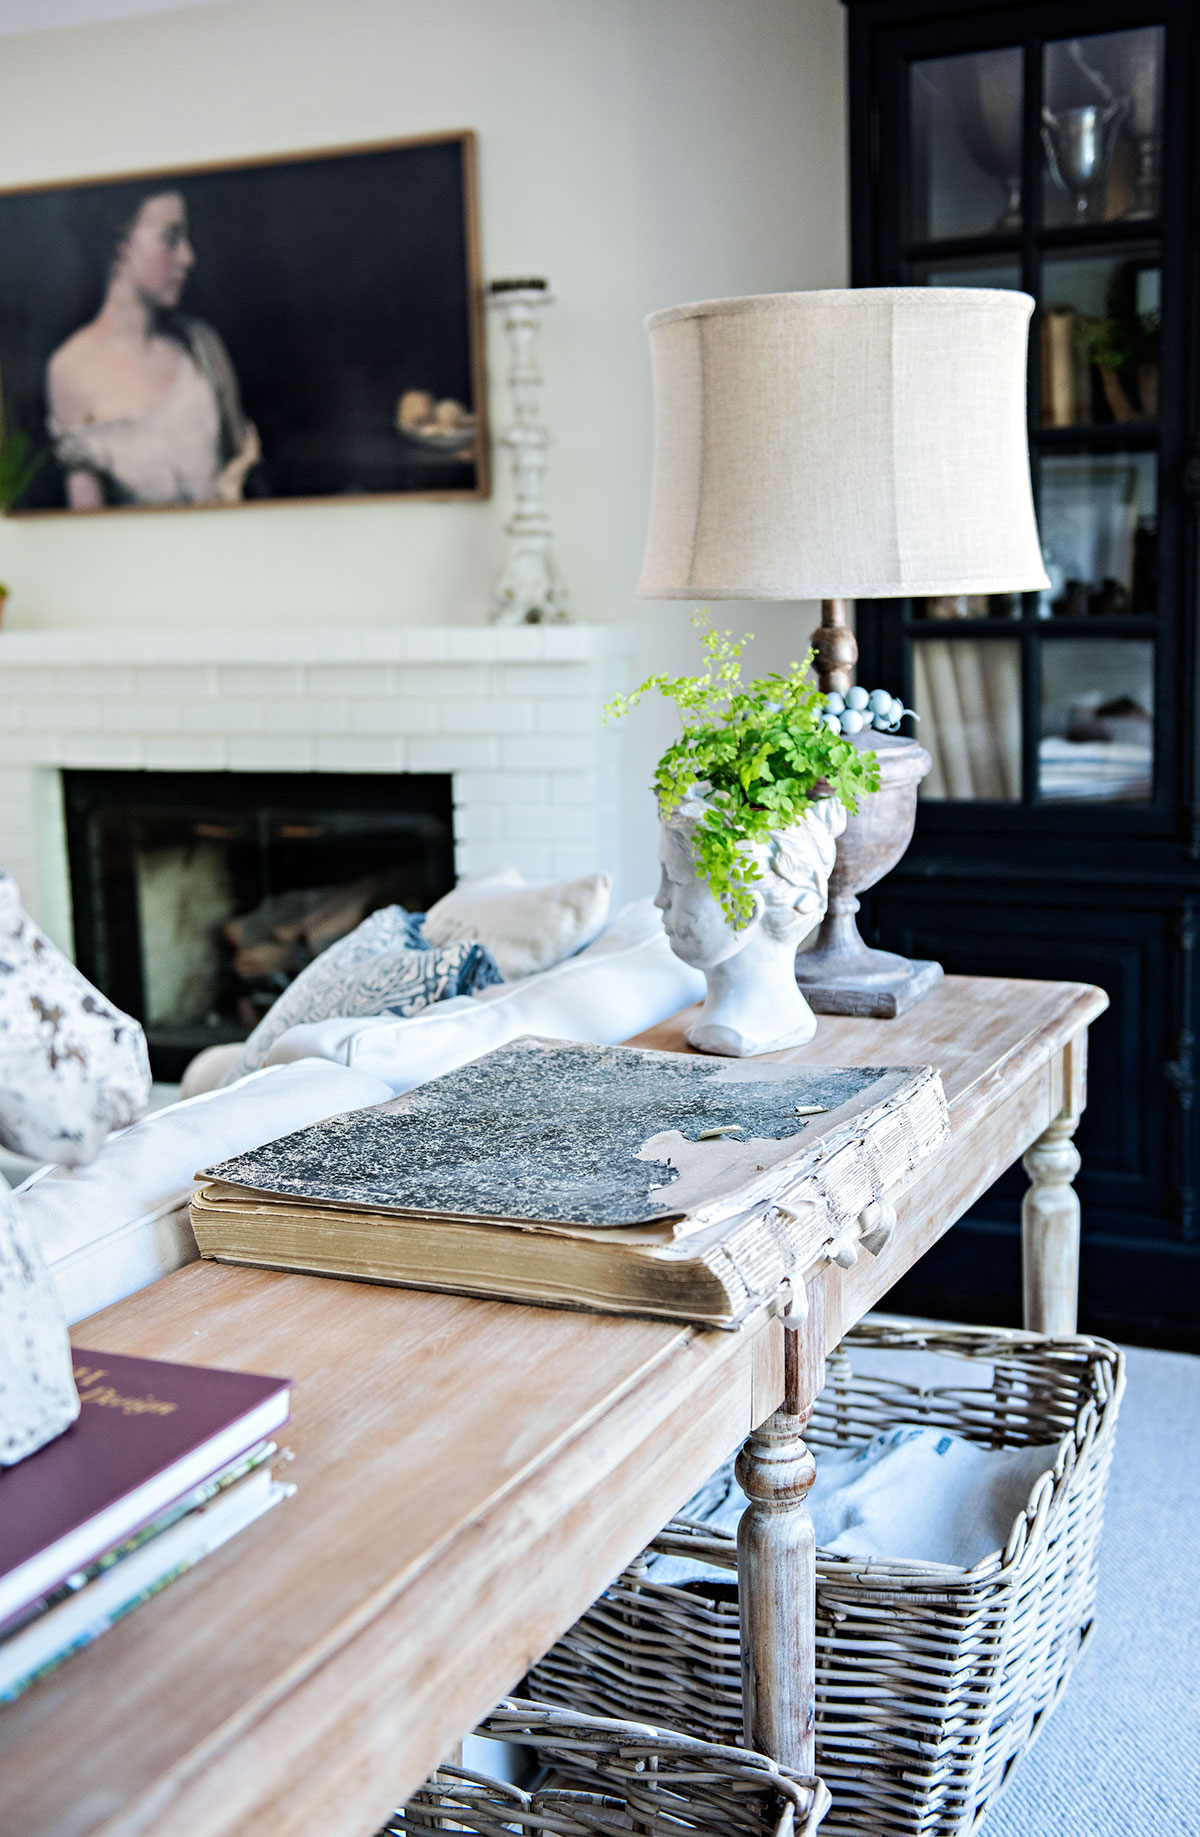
789	1237
182	1508
78	1621
1066	378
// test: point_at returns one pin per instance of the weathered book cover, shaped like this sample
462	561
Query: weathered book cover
584	1175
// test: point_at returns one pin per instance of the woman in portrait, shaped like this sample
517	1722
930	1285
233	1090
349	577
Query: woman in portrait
143	401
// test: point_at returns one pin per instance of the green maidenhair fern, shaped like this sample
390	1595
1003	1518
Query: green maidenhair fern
757	752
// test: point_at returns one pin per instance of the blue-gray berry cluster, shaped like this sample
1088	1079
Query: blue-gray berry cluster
860	709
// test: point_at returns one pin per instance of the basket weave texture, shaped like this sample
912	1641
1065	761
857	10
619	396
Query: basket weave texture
623	1777
931	1680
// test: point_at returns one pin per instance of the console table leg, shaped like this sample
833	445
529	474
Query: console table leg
777	1582
1050	1230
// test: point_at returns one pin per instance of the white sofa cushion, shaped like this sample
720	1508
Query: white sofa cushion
108	1229
524	928
628	980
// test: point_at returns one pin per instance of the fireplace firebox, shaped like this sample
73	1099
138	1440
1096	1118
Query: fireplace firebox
198	896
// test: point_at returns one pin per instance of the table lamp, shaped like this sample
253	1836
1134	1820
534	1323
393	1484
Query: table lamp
845	444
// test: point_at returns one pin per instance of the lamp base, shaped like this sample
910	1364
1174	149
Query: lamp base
837	973
881	986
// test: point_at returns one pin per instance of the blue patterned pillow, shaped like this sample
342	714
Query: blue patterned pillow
383	966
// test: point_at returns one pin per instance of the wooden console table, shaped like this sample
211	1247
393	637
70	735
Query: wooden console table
472	1474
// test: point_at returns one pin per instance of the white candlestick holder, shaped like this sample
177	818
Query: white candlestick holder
529	589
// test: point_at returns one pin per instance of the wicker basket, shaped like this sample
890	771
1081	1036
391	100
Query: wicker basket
633	1778
931	1680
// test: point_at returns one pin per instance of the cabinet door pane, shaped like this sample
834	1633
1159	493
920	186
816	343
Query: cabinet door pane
969	606
967	692
1102	127
1099	336
966	144
1097	720
1098	518
968	271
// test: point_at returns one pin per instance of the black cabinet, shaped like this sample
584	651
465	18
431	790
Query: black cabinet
1053	148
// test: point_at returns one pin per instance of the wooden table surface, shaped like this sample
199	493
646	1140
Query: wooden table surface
470	1475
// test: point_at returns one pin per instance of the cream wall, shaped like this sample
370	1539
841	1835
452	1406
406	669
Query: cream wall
638	152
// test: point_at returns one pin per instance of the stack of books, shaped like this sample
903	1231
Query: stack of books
164	1464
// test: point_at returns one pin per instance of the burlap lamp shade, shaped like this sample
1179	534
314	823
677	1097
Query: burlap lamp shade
854	443
849	444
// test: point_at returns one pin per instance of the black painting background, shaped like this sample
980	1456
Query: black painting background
336	283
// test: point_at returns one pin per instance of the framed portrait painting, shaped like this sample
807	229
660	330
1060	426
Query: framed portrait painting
294	328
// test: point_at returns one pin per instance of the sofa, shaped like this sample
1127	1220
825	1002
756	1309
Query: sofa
112	1227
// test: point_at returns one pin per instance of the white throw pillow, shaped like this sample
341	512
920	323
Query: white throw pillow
526	928
108	1229
628	980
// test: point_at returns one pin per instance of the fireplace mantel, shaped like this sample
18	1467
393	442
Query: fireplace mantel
513	713
415	644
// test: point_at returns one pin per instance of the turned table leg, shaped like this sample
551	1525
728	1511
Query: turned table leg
777	1579
1050	1230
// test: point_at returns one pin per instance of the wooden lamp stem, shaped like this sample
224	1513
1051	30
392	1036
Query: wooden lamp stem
836	648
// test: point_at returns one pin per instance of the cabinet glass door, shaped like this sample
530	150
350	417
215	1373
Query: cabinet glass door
968	691
966	145
1099	336
1097	721
1099	528
1102	127
1049	698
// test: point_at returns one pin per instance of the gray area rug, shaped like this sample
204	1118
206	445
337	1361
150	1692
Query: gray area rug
1121	1753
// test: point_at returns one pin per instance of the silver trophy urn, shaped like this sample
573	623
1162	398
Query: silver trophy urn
1079	145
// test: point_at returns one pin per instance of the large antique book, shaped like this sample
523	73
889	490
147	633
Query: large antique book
589	1176
148	1433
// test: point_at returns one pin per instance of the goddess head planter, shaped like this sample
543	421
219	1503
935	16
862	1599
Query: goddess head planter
752	1004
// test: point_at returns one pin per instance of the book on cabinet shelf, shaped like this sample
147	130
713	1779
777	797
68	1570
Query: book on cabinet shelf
1066	372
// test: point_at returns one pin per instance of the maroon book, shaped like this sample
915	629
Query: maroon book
147	1433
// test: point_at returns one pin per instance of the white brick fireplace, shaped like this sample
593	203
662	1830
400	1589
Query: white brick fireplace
513	715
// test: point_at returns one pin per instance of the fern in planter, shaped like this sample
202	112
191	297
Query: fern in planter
757	752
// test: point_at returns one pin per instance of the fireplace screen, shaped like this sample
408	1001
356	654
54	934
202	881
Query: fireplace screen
198	896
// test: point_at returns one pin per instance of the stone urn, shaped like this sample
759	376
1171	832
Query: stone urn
836	971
